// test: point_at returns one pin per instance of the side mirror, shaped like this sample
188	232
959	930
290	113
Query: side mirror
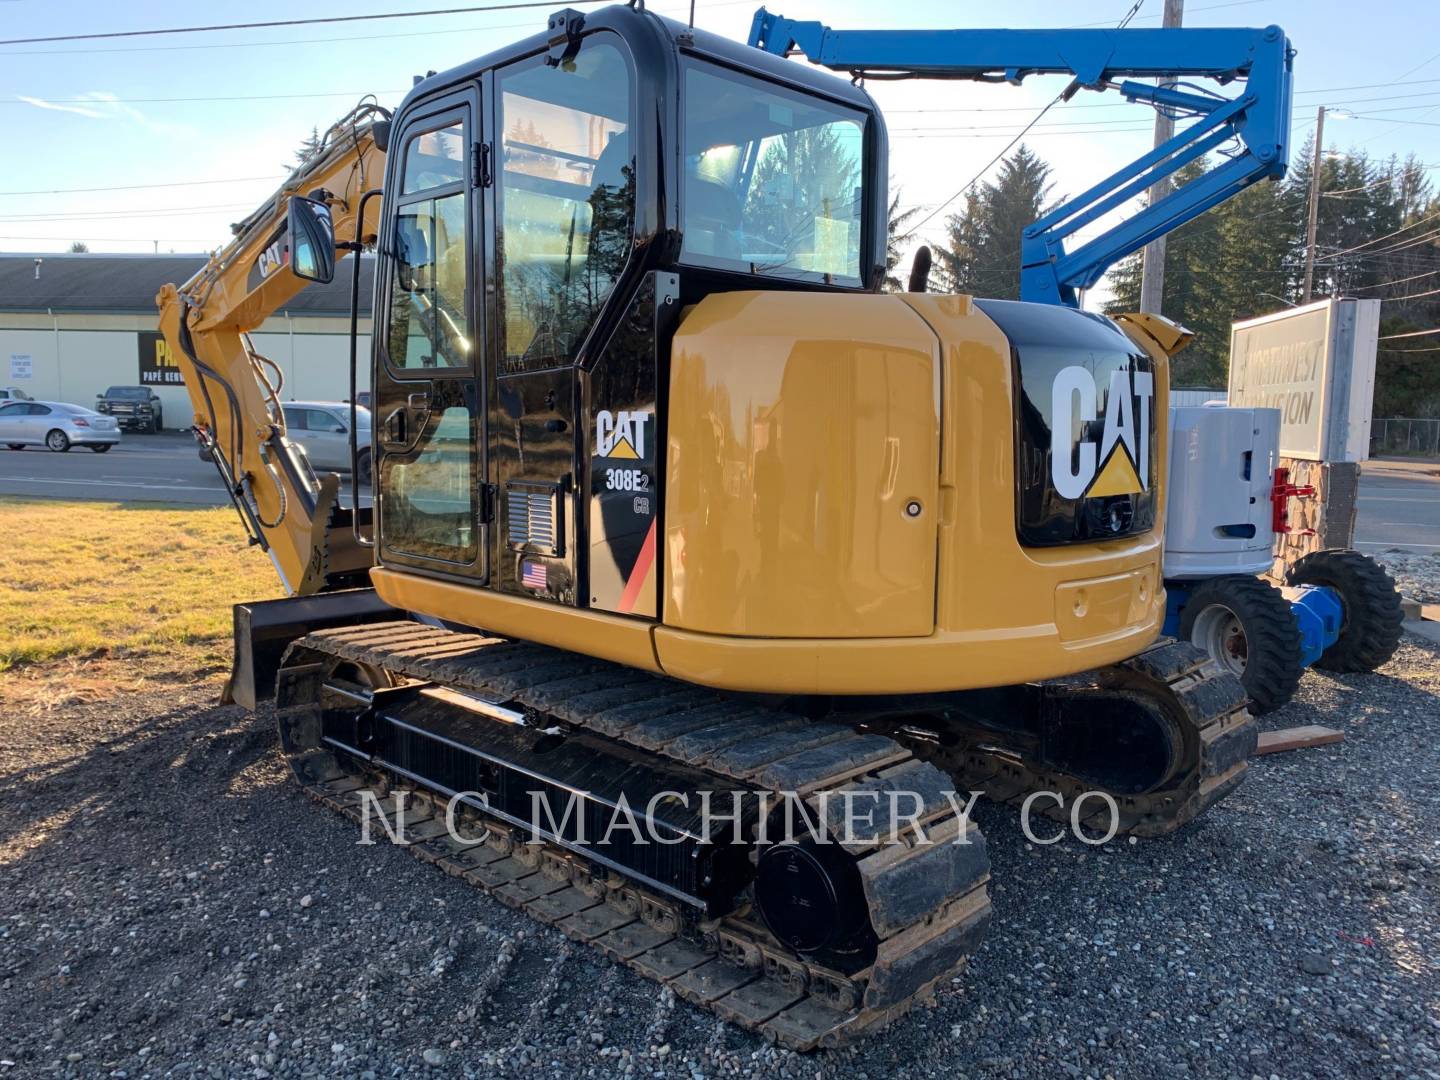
312	240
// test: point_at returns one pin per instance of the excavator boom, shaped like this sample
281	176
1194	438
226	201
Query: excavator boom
290	512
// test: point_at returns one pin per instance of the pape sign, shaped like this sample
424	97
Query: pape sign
1316	364
158	366
22	365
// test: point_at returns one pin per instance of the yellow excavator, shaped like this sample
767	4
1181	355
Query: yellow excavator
672	504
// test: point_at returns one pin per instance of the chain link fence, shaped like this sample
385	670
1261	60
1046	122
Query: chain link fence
1413	438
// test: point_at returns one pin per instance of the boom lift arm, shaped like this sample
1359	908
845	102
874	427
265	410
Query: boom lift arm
292	514
1258	118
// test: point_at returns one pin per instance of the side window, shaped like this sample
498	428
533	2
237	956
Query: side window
40	410
320	420
566	198
429	326
295	419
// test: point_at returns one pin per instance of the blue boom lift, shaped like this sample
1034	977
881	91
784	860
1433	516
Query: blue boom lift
1339	610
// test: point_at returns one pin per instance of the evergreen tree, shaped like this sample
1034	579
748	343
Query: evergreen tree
309	146
79	247
982	250
895	240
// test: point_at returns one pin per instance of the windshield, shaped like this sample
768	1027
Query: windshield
772	178
129	393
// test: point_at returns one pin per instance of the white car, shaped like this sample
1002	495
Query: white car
323	429
13	393
55	425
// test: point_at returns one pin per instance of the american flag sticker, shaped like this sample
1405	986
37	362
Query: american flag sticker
532	574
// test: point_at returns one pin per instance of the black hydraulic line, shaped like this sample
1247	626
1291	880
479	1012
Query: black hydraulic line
355	247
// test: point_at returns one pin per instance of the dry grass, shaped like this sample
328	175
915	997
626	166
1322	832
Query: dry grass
85	584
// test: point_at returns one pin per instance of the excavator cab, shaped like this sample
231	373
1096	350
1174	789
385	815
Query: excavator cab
549	213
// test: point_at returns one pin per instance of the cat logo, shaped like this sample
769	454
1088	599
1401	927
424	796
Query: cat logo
1120	463
273	257
621	434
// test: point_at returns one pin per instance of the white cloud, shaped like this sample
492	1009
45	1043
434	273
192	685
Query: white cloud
104	105
79	110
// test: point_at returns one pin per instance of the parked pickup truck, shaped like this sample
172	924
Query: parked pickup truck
136	407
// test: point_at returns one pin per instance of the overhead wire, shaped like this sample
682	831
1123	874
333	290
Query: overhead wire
1378	239
272	23
326	40
139	187
1413	333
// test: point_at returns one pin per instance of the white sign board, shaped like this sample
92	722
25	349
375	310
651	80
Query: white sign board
1316	364
21	365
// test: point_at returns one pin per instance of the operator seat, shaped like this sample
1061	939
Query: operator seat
711	219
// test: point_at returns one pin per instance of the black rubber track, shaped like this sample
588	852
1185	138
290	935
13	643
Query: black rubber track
1272	636
1373	615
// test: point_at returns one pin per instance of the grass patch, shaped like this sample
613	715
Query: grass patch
88	581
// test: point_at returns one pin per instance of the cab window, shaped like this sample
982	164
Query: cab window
773	179
566	198
429	324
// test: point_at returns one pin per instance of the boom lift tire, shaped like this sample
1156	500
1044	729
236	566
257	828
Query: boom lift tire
1247	627
1370	633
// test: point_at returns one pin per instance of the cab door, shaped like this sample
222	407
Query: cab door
427	408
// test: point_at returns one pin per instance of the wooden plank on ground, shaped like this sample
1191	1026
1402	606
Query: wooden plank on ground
1297	738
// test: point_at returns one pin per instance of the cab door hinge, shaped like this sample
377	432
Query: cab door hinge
487	504
480	164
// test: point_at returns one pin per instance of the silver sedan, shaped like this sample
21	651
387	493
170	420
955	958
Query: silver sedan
55	425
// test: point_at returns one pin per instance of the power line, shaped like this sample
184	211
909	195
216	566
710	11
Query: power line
1387	236
138	187
1131	104
284	22
1411	296
116	215
129	49
1413	333
1397	281
170	100
1134	8
1211	7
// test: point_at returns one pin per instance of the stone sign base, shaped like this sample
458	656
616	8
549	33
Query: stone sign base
1323	520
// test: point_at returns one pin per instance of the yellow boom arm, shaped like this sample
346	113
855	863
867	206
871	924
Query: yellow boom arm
286	508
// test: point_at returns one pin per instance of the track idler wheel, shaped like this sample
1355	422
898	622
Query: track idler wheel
811	897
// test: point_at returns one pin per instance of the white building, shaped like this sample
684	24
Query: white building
73	325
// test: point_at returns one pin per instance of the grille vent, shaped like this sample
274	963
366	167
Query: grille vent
532	518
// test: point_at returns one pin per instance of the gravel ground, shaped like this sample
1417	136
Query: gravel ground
1418	576
171	906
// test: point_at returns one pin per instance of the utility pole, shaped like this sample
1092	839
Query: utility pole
1314	222
1152	277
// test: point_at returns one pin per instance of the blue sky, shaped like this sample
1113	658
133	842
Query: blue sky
87	114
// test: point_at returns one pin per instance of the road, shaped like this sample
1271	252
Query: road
1399	501
1399	506
142	468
